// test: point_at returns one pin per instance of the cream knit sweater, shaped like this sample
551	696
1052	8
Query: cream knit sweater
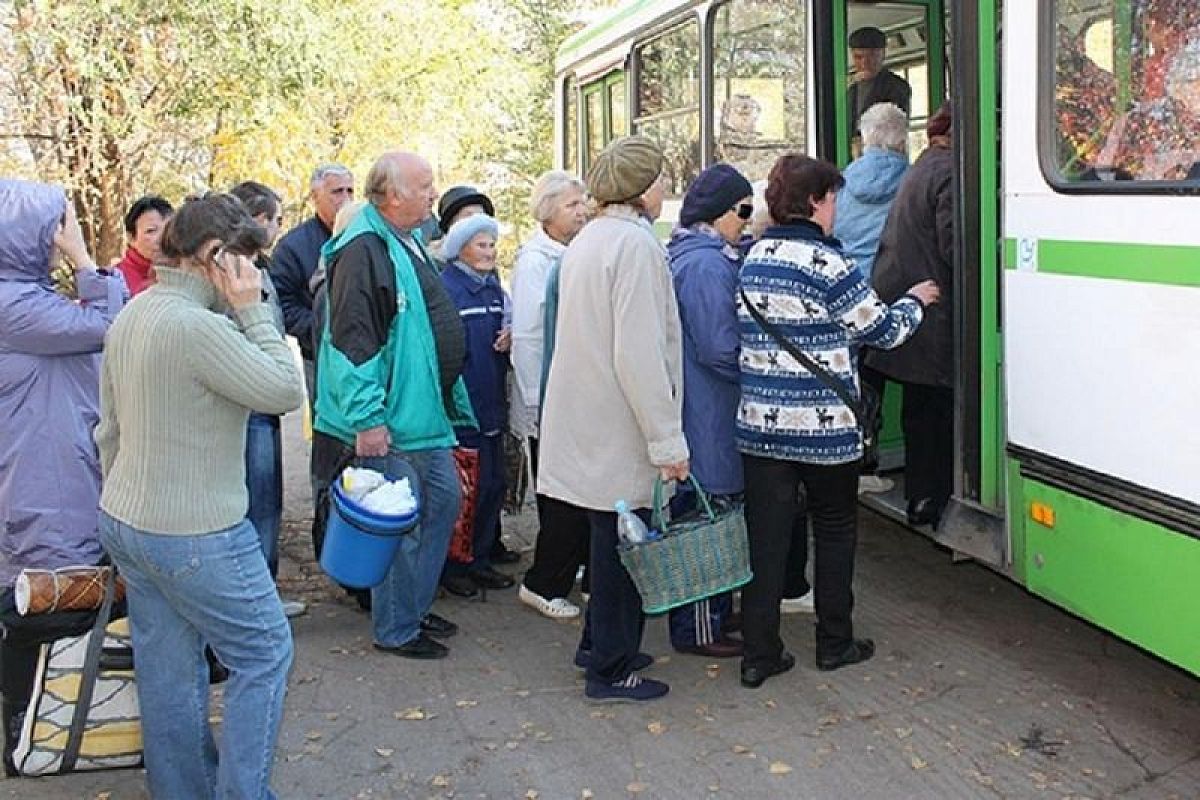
178	382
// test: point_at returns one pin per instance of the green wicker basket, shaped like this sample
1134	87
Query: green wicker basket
695	558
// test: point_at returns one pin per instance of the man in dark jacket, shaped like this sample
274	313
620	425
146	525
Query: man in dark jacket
918	244
871	82
295	257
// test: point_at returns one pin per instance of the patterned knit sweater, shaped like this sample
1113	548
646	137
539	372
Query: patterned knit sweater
799	280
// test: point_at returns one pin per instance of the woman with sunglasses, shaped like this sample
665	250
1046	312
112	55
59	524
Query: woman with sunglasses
705	260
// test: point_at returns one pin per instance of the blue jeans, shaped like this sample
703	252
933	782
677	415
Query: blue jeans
184	592
489	501
407	591
264	483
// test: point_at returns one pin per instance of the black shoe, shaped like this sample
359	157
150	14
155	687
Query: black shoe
502	555
421	647
923	511
437	627
460	585
857	651
753	677
732	623
489	578
722	648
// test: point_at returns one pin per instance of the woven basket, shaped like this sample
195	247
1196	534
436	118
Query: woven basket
694	559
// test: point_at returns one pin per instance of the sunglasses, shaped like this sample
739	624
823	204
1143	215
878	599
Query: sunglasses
744	211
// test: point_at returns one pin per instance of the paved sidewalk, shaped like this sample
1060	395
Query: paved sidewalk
978	690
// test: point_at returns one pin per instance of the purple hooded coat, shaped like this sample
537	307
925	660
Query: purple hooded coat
49	386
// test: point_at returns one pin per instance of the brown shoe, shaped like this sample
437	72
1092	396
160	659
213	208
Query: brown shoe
722	648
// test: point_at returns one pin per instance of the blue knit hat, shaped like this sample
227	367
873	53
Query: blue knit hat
715	191
464	231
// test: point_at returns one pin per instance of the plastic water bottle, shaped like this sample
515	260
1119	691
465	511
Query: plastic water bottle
630	528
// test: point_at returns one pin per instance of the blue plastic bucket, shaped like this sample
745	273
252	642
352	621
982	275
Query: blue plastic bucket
360	544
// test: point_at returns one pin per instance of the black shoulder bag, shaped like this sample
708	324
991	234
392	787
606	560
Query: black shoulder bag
865	410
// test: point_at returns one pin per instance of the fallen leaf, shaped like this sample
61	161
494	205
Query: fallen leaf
410	714
903	733
531	795
440	781
522	693
635	788
771	704
780	768
713	670
104	796
587	794
384	751
917	762
741	749
657	728
466	703
511	745
332	716
603	715
312	736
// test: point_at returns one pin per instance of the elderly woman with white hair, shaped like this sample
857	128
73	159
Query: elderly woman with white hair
559	207
872	181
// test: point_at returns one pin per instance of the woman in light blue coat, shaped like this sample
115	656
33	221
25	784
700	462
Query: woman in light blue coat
872	181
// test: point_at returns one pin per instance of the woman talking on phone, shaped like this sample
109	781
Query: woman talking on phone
179	380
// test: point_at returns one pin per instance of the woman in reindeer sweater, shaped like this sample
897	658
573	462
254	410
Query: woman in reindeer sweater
792	428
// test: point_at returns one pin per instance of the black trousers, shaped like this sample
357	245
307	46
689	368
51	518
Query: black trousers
928	420
795	581
771	507
613	622
562	543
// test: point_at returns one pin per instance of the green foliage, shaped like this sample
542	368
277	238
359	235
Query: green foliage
116	98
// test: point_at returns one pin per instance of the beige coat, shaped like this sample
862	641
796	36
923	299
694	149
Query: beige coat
612	412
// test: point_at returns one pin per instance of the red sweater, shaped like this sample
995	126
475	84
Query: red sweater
138	271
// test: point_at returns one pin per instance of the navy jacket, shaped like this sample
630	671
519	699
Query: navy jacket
480	304
292	266
705	273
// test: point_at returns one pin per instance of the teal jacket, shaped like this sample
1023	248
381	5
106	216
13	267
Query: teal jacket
383	369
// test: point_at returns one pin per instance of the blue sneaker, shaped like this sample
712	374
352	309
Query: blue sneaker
634	689
583	658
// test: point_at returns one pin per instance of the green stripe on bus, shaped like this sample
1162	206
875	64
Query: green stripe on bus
592	31
1176	265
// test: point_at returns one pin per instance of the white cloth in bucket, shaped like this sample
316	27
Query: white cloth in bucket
376	494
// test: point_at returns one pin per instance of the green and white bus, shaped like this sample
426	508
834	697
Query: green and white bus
1077	300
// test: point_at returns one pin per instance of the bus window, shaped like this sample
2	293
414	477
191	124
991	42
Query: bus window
593	120
572	134
759	69
668	101
1126	102
616	109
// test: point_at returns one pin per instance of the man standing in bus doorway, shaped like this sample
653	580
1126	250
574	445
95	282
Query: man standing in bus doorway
871	83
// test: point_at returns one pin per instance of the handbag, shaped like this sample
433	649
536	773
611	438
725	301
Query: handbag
462	548
865	408
698	555
83	713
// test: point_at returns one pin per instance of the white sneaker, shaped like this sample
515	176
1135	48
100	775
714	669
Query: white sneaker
294	608
873	484
798	605
558	608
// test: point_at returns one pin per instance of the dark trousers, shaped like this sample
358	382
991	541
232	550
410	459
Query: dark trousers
877	381
772	487
795	581
562	543
613	623
928	419
489	499
697	623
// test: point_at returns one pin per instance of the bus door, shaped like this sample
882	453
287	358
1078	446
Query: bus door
918	51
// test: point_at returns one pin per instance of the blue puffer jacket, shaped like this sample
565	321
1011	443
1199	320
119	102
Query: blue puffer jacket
705	273
480	302
872	181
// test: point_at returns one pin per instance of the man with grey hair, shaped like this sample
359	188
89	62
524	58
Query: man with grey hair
295	257
389	394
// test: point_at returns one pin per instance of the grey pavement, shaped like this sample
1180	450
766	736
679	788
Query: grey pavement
978	690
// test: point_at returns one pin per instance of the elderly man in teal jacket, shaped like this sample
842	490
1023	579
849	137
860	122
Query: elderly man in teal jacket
388	370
